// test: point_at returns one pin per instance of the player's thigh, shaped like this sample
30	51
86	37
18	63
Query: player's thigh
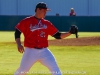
29	58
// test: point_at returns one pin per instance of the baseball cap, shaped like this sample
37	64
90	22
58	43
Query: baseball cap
42	5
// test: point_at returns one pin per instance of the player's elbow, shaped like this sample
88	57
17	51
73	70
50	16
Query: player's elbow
57	35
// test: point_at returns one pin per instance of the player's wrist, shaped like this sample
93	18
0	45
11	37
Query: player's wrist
19	45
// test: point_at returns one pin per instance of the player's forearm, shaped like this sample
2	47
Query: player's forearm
63	35
18	41
59	35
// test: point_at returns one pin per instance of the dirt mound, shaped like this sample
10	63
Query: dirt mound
84	41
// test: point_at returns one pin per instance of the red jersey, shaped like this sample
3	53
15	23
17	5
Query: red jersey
72	14
36	31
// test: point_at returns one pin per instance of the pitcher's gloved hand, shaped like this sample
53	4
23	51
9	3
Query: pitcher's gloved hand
73	29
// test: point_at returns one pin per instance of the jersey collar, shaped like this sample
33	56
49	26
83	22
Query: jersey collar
37	18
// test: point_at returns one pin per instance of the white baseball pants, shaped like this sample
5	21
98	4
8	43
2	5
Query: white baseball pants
44	56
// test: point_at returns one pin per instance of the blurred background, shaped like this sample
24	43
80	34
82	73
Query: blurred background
87	13
26	7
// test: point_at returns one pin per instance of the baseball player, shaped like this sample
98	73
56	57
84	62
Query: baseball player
36	30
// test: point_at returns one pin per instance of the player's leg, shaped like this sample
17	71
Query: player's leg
28	59
48	60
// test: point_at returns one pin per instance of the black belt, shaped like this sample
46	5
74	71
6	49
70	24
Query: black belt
39	48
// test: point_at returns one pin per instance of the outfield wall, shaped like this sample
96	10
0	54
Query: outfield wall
84	23
27	7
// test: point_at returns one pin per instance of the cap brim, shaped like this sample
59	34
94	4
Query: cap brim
48	9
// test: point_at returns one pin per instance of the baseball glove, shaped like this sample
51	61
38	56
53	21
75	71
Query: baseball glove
73	29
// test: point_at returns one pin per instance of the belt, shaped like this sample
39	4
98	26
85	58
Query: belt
39	48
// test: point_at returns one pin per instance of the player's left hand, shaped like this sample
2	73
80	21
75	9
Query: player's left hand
73	29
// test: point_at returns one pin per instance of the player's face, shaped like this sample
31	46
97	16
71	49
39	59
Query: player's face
43	12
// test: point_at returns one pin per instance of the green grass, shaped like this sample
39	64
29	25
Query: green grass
72	60
9	36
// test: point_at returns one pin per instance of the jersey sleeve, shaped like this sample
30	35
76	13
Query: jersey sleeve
52	30
20	26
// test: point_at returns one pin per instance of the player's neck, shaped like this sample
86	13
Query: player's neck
37	16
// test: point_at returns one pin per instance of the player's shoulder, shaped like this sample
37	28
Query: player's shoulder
46	21
28	18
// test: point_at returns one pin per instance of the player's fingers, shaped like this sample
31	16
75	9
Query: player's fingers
21	49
